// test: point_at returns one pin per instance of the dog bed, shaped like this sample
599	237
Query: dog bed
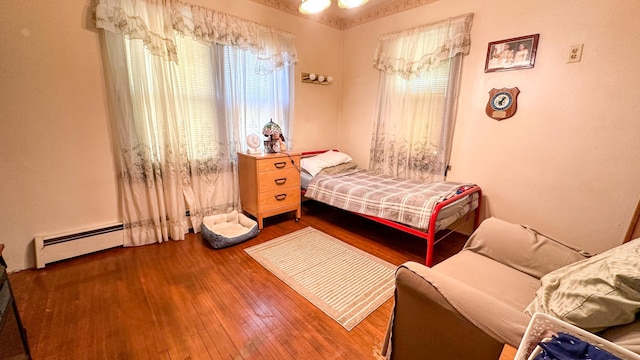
225	230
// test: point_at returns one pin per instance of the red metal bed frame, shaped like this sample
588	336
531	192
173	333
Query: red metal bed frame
430	233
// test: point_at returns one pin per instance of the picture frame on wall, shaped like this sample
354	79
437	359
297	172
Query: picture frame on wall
512	54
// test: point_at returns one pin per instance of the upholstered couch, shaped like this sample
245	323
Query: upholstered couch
470	305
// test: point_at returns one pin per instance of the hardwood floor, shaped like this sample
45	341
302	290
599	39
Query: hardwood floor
508	353
184	300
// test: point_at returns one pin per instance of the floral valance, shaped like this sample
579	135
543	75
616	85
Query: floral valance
410	52
157	22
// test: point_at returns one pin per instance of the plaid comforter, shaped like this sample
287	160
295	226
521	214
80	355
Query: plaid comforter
406	201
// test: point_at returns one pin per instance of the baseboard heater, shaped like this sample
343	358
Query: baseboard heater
51	248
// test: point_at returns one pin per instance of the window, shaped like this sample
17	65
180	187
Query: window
199	101
420	72
433	82
244	95
252	98
180	118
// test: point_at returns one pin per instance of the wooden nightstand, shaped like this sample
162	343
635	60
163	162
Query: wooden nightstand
269	184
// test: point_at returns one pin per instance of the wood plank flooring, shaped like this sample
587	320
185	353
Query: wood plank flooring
184	300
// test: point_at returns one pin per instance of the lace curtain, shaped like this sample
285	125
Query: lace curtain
158	23
417	96
176	147
411	52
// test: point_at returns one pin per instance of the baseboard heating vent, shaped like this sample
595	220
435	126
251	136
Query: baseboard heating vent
51	248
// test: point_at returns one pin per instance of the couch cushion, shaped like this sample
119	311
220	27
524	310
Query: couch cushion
512	287
627	336
521	247
594	293
478	289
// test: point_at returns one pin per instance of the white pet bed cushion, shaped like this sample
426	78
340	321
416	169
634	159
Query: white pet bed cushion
228	229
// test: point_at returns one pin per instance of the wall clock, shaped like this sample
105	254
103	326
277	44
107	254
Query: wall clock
502	103
253	142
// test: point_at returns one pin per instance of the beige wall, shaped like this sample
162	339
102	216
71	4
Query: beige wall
566	163
58	172
56	154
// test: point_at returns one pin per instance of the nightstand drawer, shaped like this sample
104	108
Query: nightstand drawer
276	180
289	196
280	164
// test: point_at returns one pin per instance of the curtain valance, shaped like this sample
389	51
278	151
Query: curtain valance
411	52
157	22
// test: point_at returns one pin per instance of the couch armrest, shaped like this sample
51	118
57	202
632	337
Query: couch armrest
521	247
438	317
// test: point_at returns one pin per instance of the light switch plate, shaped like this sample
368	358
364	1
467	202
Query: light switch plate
575	53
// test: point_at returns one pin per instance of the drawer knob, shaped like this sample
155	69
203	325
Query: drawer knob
281	197
280	181
280	165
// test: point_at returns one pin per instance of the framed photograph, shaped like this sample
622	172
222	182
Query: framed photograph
512	54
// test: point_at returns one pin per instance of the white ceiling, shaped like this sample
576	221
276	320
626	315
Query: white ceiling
346	18
335	10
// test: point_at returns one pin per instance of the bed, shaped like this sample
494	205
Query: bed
418	208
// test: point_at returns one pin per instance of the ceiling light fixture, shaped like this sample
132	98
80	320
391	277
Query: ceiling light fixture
350	4
313	6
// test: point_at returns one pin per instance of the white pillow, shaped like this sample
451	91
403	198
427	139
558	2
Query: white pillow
314	164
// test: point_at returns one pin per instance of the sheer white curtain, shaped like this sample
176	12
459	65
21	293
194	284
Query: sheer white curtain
251	96
417	95
176	148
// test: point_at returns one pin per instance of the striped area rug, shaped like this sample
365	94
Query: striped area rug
344	282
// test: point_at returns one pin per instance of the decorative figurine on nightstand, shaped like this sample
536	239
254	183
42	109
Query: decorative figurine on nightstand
275	139
283	145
